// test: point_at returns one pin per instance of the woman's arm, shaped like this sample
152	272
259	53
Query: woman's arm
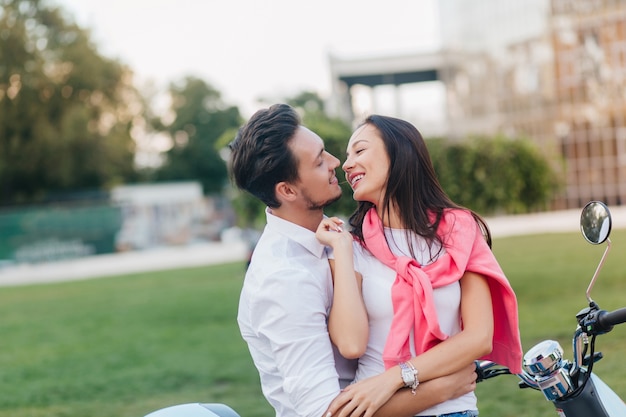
449	356
347	323
472	342
403	403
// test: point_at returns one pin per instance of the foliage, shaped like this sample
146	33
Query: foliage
250	210
201	118
66	112
494	175
128	345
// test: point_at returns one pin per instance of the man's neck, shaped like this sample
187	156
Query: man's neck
309	219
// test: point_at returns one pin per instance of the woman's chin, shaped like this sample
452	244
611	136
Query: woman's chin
359	197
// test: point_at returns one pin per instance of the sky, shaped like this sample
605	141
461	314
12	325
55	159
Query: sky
251	49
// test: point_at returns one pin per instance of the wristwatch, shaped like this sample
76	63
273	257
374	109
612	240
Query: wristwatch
409	376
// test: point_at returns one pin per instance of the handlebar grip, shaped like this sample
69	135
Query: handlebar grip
610	319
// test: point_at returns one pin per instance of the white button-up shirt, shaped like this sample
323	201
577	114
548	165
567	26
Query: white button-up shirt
283	314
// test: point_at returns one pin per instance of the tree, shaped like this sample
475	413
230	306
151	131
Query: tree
66	112
201	118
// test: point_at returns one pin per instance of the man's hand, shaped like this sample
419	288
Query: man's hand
458	383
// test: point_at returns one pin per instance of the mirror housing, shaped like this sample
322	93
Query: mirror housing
595	222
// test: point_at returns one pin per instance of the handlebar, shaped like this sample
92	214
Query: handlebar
609	319
593	321
488	369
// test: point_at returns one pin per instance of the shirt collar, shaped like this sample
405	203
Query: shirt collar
299	234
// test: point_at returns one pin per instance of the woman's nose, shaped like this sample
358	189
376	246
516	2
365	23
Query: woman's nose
347	164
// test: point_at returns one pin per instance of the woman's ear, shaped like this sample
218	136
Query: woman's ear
285	192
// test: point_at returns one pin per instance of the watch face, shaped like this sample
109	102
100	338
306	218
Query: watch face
407	376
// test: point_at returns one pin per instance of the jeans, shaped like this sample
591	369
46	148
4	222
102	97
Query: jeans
468	413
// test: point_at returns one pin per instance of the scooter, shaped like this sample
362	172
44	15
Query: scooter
195	410
572	387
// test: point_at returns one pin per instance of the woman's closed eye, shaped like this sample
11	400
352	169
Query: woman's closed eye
356	152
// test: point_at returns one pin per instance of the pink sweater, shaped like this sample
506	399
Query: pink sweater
412	291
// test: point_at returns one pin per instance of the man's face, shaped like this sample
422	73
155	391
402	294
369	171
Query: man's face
317	182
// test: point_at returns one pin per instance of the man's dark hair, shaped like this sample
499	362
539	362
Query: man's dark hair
261	156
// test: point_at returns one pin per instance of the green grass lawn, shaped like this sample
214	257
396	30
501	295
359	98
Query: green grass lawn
128	345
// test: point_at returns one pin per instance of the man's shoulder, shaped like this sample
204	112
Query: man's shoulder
277	263
285	250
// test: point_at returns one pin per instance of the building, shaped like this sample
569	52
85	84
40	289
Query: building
167	214
550	70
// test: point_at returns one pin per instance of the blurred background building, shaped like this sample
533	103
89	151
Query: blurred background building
167	214
550	70
129	217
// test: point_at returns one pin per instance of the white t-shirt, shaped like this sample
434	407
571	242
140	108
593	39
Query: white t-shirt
377	282
283	312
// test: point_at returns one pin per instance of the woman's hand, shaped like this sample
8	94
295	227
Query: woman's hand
330	232
404	404
365	397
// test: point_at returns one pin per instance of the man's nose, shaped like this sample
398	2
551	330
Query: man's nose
334	161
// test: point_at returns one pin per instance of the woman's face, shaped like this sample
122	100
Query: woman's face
367	165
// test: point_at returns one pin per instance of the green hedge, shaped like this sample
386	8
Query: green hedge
495	175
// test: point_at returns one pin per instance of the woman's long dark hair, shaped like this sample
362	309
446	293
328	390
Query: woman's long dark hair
412	185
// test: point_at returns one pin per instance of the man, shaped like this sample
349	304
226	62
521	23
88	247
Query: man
288	289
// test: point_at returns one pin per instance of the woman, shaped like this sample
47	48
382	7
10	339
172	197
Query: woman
435	296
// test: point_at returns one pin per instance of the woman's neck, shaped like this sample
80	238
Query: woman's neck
390	218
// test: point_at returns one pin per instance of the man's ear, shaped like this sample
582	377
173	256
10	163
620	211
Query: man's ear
285	191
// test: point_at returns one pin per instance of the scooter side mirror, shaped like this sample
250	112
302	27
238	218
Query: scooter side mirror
595	225
595	222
